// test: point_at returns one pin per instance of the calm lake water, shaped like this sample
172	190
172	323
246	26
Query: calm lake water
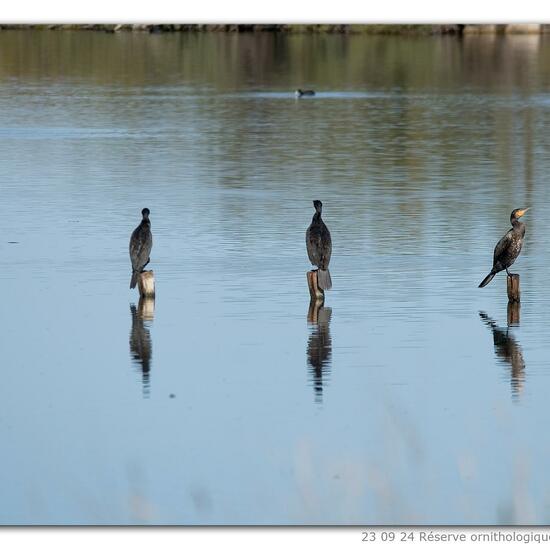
407	398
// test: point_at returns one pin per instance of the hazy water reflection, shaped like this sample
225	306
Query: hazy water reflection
141	346
319	347
507	349
392	404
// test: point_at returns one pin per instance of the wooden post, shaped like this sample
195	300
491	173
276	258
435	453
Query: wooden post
317	294
513	313
146	284
512	282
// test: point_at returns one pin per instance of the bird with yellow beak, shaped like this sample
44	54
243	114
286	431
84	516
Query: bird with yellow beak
508	248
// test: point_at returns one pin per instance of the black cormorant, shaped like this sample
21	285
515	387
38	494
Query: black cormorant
300	93
141	243
508	248
319	247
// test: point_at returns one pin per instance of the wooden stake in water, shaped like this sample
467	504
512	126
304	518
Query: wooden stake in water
146	284
512	282
317	294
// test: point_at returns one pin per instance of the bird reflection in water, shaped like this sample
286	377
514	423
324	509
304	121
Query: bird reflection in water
319	347
507	349
141	347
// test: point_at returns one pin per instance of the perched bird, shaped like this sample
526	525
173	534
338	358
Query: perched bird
141	243
508	248
319	247
300	93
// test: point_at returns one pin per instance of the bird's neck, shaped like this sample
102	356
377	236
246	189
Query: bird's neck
317	217
518	227
516	224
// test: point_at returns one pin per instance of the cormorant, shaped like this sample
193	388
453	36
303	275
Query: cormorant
300	93
319	247
508	248
141	243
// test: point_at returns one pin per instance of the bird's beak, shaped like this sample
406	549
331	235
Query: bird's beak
521	212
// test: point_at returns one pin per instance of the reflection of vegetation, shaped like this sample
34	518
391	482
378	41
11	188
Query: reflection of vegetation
224	60
423	120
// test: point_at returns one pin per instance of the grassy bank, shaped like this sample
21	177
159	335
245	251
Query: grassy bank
393	29
292	28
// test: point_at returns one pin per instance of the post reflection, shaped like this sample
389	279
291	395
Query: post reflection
513	314
319	347
507	349
141	347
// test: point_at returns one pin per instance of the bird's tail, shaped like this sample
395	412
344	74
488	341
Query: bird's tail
487	279
133	280
323	279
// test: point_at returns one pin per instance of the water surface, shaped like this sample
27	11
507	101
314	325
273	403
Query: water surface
410	397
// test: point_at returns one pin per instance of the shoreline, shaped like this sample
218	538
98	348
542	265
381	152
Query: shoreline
393	29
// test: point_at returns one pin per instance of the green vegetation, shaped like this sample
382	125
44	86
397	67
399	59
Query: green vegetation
299	28
294	28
